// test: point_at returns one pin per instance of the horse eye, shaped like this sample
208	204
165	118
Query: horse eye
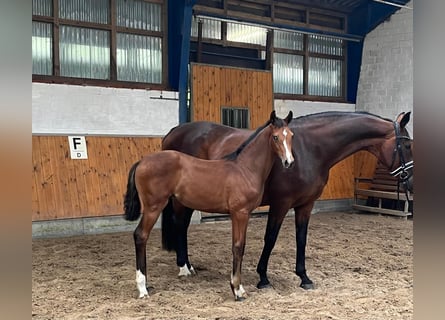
275	138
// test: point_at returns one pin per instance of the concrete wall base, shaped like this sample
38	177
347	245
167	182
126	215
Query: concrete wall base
86	226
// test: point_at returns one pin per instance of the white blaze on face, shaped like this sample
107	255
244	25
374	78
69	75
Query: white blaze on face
140	282
289	157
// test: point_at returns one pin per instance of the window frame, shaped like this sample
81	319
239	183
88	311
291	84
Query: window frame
269	13
113	28
306	55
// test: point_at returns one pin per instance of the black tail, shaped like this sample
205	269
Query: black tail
169	239
132	205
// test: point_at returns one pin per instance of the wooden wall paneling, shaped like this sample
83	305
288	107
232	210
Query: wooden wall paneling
90	181
222	90
68	181
216	102
249	94
261	95
254	101
244	89
205	87
270	99
196	93
40	183
229	87
53	195
341	181
66	188
364	164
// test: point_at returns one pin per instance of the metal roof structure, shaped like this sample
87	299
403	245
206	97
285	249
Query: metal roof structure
361	17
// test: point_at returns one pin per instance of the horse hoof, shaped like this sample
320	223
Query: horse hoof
239	299
264	285
184	271
307	286
143	295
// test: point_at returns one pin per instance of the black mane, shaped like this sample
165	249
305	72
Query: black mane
234	154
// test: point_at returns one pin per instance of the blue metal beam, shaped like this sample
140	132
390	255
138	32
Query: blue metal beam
179	28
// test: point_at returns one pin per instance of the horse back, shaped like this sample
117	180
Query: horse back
205	140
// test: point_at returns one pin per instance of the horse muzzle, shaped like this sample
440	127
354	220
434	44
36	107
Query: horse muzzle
287	163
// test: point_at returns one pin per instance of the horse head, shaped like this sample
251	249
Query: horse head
398	153
282	138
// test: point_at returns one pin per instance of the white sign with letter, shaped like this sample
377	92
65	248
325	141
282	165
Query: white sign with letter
78	147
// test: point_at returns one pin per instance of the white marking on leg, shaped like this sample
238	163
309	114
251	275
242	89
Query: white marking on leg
240	293
184	271
140	282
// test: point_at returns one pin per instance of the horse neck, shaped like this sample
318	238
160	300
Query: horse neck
346	135
257	158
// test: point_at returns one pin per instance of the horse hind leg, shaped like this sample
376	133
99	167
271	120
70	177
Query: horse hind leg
182	222
175	222
140	236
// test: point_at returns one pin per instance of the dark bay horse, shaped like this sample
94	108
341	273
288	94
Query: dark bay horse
322	140
234	185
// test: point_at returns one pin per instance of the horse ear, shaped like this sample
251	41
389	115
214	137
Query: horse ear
273	116
405	119
289	117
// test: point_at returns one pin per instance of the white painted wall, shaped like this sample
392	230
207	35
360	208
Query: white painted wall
302	108
386	77
87	110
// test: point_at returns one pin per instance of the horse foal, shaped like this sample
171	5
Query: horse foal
191	181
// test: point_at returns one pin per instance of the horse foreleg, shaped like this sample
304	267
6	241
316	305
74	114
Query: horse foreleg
302	216
274	222
239	230
140	236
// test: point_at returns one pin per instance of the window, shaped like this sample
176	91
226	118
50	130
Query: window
235	117
324	71
308	66
82	40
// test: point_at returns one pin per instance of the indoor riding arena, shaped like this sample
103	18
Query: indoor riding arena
291	121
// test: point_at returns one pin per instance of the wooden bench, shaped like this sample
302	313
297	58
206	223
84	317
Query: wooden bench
379	194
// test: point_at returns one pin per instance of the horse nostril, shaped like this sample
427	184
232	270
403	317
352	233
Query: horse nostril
286	164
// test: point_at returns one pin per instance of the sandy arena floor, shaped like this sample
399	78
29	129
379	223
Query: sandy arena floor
362	267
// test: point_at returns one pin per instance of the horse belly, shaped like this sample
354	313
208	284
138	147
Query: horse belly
201	198
202	190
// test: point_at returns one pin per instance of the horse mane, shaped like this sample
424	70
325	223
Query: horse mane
232	156
336	114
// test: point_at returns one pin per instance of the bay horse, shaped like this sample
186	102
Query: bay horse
241	176
322	140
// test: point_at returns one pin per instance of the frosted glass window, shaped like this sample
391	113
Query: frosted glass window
324	77
246	34
139	14
42	48
211	29
139	58
288	73
288	40
42	7
325	45
97	11
84	53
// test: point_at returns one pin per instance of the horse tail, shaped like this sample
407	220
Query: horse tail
169	239
132	205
